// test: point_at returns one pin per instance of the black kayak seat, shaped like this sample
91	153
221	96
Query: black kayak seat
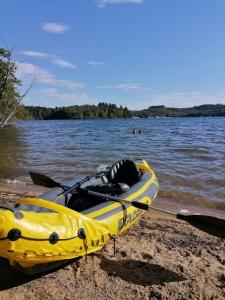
125	171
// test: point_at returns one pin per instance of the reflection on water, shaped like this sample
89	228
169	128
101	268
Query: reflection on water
12	152
188	154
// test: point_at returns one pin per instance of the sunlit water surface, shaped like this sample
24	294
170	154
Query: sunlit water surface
187	154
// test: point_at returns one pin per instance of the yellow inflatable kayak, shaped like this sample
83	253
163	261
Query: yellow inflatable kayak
66	223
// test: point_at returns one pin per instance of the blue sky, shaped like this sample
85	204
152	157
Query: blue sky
136	53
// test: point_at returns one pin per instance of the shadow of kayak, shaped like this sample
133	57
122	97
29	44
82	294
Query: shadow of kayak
139	272
11	277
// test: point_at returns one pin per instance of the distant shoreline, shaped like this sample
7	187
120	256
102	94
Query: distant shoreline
111	111
131	118
205	110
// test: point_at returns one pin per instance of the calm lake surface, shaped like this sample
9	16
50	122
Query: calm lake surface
187	154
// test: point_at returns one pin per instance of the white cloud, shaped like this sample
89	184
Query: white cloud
128	87
53	58
95	63
68	84
56	98
222	94
28	72
63	63
54	27
104	3
34	53
184	99
177	99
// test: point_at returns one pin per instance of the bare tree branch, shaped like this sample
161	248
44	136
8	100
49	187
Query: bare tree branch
10	100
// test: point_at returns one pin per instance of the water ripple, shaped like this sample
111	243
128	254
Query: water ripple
188	154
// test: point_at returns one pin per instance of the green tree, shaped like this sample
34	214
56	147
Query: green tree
10	98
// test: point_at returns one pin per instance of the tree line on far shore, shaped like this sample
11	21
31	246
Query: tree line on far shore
111	111
100	111
205	110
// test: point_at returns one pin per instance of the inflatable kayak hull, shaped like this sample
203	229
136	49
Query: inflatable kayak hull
57	233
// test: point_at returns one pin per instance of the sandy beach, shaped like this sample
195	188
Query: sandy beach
158	258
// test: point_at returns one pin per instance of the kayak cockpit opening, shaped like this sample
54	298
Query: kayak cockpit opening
121	176
117	180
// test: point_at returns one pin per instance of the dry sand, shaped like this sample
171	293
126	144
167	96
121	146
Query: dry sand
158	258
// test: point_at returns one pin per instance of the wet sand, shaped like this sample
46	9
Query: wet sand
158	258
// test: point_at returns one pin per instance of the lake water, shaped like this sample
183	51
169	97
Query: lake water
187	154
